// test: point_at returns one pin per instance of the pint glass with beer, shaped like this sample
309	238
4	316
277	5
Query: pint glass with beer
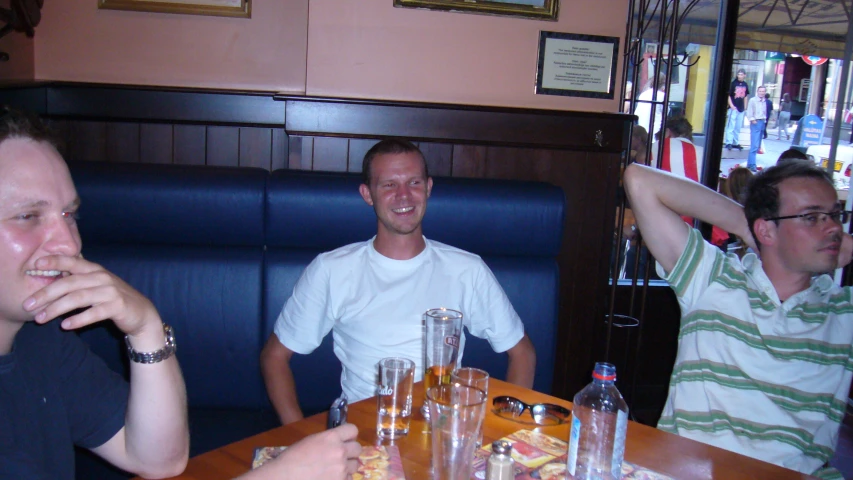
443	328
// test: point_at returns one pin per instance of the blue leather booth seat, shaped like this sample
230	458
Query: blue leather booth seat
218	250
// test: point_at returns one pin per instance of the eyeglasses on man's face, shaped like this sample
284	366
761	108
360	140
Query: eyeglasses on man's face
812	219
541	413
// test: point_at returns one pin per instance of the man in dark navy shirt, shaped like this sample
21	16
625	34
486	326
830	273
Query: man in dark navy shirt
738	94
54	392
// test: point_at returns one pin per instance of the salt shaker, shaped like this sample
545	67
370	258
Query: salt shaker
500	466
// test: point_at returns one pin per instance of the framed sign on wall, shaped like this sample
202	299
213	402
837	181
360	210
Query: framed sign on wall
537	9
223	8
576	65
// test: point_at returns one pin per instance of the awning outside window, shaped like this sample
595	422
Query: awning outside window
804	27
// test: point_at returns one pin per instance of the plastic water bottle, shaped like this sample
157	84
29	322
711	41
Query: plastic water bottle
599	424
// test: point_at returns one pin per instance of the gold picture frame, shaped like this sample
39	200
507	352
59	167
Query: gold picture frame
221	8
534	9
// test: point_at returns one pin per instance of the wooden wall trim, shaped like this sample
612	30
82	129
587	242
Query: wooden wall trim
334	117
454	123
146	104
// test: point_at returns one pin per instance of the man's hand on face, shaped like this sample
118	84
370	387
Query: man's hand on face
87	285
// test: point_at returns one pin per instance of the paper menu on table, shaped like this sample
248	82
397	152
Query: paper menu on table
542	457
374	463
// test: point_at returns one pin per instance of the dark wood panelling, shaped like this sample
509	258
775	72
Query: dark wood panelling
30	98
256	147
453	123
155	142
357	148
469	161
439	157
280	150
149	104
301	152
189	144
330	154
223	146
88	141
122	142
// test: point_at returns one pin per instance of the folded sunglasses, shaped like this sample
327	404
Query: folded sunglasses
542	413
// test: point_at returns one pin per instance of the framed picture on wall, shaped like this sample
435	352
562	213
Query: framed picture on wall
222	8
576	65
537	9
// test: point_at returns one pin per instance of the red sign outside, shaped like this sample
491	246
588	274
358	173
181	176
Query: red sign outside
813	60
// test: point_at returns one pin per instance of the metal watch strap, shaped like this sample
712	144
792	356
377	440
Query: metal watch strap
157	355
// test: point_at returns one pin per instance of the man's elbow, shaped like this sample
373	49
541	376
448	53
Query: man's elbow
273	355
522	363
166	469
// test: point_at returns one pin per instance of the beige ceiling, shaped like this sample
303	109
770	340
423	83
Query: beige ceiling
805	27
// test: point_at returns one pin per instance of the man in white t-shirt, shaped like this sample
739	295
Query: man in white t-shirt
372	294
764	348
649	98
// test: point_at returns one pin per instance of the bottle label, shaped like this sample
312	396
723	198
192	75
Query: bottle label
574	439
619	441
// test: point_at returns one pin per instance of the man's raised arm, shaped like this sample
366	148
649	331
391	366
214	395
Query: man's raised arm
278	377
659	198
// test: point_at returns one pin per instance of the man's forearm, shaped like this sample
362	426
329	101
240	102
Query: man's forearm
688	198
278	378
156	430
282	392
521	366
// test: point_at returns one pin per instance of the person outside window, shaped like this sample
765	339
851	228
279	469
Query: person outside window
756	113
643	110
738	93
784	117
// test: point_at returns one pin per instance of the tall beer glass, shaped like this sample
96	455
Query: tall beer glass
443	328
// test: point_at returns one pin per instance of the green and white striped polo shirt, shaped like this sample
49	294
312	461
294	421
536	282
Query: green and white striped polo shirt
754	375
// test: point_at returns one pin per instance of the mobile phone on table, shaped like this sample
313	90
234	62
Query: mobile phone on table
337	412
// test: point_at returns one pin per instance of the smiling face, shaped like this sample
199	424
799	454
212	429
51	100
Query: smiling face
761	92
398	192
38	205
798	245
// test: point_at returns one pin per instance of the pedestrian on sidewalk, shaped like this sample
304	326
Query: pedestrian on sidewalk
738	93
756	113
784	117
769	104
648	98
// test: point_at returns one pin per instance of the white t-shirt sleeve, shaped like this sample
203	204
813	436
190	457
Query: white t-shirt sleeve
305	318
491	314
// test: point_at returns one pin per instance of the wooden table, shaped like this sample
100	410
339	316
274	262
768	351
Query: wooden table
672	455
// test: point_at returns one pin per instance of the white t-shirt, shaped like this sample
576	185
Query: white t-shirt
755	375
643	111
374	305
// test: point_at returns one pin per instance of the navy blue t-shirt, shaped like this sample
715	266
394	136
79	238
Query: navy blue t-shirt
54	394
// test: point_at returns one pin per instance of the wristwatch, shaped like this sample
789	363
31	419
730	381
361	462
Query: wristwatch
157	355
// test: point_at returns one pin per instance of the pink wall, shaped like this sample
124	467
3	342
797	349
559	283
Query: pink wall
355	48
78	42
21	64
368	49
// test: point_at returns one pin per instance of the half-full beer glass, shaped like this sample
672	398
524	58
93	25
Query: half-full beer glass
394	397
443	328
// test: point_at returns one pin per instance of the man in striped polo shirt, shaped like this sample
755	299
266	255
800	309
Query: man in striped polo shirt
764	349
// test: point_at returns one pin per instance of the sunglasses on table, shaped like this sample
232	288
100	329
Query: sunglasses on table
541	413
